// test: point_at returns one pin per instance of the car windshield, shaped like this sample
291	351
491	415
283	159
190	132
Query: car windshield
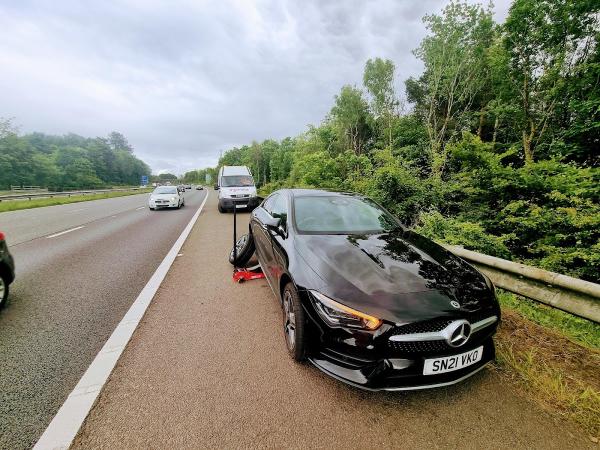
165	190
237	181
341	215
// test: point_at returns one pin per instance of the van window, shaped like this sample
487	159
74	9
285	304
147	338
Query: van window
237	181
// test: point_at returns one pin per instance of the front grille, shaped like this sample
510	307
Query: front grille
432	326
429	326
419	346
479	315
240	196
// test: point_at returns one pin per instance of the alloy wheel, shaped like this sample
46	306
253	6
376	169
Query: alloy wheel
240	244
2	290
289	321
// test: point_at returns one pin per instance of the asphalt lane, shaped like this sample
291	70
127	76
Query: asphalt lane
26	224
70	293
208	368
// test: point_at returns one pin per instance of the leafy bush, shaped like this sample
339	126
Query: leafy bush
456	232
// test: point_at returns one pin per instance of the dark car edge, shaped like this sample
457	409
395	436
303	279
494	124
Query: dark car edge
7	270
377	309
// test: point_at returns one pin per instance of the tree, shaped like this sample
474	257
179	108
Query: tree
282	160
547	41
117	141
167	177
79	173
378	78
350	115
454	60
69	161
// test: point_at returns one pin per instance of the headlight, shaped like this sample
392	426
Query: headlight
488	282
336	314
173	199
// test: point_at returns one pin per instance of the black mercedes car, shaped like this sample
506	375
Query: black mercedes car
366	300
7	270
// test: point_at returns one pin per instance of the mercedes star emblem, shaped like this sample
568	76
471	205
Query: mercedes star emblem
459	333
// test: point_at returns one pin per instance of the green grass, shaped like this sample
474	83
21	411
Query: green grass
14	205
553	356
553	387
581	331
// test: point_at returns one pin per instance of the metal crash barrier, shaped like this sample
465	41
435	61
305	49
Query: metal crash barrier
569	294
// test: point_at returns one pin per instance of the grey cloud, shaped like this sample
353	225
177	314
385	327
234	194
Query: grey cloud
185	80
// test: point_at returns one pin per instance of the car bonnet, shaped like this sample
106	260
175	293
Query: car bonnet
395	276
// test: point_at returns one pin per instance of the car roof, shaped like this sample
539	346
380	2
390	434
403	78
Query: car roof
317	193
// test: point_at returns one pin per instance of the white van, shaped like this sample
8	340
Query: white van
236	188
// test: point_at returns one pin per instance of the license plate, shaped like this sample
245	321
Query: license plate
240	206
450	363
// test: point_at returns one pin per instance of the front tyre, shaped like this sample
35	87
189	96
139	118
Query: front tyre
221	209
294	323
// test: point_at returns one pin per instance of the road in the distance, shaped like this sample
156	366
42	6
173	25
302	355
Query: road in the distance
71	291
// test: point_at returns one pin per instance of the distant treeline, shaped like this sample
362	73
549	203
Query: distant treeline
495	146
66	162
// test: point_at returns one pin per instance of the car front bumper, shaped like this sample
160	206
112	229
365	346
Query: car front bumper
248	202
393	373
371	360
171	204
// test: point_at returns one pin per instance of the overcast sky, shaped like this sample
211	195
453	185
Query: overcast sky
185	80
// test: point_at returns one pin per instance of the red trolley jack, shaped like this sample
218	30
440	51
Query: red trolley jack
247	273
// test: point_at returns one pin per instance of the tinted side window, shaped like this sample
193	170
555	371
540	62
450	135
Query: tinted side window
280	209
268	203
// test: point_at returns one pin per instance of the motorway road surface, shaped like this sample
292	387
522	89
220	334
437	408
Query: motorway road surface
208	368
71	291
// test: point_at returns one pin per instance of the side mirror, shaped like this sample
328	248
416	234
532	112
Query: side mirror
216	187
272	222
275	224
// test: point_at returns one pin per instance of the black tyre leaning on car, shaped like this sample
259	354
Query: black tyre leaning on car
3	289
245	250
294	323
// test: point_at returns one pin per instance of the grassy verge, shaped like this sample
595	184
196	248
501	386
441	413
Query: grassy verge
14	205
553	357
580	331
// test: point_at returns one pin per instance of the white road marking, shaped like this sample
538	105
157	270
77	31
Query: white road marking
75	210
141	207
64	232
69	418
112	217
